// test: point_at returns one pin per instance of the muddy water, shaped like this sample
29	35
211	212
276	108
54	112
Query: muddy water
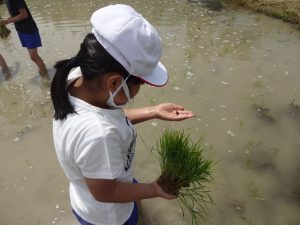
238	71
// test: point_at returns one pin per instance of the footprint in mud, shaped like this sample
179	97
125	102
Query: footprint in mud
238	207
15	69
262	161
12	71
257	157
290	185
294	109
37	80
263	112
51	72
214	5
296	192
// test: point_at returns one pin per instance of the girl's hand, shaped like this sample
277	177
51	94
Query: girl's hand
161	193
172	112
2	22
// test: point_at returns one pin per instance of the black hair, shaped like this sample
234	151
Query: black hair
93	61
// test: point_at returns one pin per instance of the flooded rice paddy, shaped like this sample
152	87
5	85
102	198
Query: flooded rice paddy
238	71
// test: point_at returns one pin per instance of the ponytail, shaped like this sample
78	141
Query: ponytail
59	92
93	60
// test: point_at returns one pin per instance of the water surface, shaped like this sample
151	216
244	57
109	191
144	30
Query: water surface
238	71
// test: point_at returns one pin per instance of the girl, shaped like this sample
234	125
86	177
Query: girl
28	32
93	136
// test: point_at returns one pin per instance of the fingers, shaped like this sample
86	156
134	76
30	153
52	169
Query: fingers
169	196
162	193
170	106
177	115
173	112
181	115
177	107
184	113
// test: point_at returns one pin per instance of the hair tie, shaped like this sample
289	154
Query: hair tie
72	62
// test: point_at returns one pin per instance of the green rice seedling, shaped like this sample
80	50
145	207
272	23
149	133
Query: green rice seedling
4	32
185	172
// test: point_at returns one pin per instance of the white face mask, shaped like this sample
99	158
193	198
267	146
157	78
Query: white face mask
110	101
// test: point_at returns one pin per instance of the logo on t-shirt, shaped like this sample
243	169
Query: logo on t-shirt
131	148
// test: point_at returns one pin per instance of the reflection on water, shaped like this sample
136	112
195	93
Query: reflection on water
238	71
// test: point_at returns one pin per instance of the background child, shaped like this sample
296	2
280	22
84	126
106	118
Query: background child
3	64
27	30
93	136
4	68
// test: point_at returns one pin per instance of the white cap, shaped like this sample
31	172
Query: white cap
132	41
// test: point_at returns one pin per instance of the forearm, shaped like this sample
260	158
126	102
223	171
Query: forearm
119	192
129	192
21	16
14	19
141	114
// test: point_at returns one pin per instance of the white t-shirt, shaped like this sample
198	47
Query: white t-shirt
95	143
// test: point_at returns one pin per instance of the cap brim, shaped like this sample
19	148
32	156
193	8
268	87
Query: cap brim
158	77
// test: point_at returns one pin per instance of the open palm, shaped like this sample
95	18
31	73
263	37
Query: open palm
172	112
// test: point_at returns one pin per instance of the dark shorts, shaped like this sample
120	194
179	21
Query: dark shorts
133	219
30	41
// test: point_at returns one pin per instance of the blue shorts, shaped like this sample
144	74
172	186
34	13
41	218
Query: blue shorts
133	219
30	40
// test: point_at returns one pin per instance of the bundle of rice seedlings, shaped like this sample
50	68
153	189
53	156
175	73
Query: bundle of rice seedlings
185	172
4	31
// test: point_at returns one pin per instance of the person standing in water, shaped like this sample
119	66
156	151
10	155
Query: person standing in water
94	136
4	68
28	32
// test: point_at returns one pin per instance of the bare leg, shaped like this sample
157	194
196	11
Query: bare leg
34	56
4	67
3	64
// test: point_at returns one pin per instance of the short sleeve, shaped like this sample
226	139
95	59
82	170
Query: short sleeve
20	4
101	158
